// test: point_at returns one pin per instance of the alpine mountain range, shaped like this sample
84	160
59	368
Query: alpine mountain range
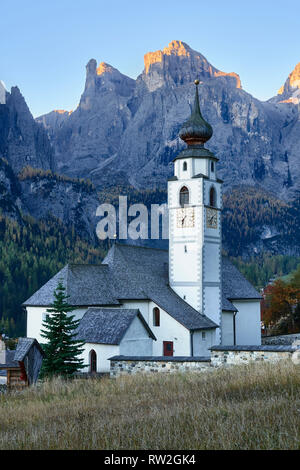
124	133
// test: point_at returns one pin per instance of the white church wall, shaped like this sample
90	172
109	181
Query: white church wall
103	352
202	341
247	322
185	262
141	305
212	303
169	330
217	186
227	334
136	341
200	166
193	185
190	294
212	265
194	166
36	316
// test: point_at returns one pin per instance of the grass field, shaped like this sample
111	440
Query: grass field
247	407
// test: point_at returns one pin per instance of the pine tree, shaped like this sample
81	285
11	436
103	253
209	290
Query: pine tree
62	349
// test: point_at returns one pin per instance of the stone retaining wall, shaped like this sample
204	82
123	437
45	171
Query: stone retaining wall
120	365
234	355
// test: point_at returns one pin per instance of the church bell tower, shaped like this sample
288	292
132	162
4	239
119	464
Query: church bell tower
195	202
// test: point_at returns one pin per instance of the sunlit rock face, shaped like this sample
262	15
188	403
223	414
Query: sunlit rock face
178	64
125	131
22	140
290	91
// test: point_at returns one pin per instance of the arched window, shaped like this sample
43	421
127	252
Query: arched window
184	166
93	361
212	197
156	316
184	196
212	166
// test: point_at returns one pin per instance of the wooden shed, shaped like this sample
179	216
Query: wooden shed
22	365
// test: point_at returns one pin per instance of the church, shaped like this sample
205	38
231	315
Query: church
150	302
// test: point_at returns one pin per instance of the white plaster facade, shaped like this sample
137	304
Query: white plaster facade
195	252
247	321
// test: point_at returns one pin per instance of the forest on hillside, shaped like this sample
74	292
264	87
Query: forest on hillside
32	251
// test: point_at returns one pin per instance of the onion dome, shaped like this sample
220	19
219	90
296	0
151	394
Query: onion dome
196	131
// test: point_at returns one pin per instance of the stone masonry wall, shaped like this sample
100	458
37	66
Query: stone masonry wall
221	357
122	366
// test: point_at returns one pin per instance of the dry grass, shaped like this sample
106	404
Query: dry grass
249	407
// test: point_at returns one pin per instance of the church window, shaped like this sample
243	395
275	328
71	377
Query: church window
203	336
156	316
212	197
184	196
184	166
212	166
93	361
185	248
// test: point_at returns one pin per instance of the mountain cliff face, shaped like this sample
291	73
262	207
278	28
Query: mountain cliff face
23	141
126	131
10	191
74	202
290	91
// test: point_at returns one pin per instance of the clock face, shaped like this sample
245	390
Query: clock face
185	217
211	218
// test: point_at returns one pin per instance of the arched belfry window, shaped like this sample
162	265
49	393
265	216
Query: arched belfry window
212	166
212	197
184	196
184	166
156	316
93	361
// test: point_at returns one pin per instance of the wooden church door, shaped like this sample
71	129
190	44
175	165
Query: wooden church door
168	348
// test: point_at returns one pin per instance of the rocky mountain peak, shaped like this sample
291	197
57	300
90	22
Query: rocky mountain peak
2	93
103	78
178	64
175	48
290	91
105	68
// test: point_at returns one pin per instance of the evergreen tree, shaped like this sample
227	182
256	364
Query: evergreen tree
62	349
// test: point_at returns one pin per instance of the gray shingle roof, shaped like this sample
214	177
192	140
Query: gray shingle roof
234	285
133	272
108	325
23	347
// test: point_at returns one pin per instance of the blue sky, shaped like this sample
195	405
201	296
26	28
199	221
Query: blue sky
45	45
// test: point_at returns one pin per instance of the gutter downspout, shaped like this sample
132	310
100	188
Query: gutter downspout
234	329
192	344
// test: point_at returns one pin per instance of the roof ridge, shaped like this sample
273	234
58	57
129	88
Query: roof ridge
87	264
139	246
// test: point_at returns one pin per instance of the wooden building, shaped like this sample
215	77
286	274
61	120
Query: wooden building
22	365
